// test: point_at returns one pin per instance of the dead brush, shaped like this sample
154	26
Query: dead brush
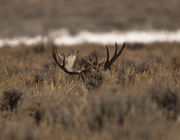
166	100
36	111
10	99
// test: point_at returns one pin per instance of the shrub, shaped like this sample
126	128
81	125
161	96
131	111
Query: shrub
167	100
10	99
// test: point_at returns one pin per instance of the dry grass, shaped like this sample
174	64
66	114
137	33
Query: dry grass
139	98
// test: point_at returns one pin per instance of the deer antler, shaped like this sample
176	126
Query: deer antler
108	62
91	60
67	62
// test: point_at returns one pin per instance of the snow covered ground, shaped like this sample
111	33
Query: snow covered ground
64	37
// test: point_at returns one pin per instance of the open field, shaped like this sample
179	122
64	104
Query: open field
138	99
33	17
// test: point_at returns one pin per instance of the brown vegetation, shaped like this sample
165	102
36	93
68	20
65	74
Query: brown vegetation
139	98
32	17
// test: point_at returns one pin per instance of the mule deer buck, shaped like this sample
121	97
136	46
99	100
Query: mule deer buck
66	63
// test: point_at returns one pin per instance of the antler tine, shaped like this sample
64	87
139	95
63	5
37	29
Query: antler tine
87	62
108	62
122	48
54	56
61	57
56	60
64	61
107	52
116	46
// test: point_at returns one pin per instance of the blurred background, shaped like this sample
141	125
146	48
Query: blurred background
32	17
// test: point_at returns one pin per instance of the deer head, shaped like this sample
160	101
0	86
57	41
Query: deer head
66	63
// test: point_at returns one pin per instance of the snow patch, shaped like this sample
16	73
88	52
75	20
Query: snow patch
62	36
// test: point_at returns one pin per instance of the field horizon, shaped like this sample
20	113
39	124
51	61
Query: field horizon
33	17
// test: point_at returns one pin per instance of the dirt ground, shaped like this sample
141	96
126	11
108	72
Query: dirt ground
32	17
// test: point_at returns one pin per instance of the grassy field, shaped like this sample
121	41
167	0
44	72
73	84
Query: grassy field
138	99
